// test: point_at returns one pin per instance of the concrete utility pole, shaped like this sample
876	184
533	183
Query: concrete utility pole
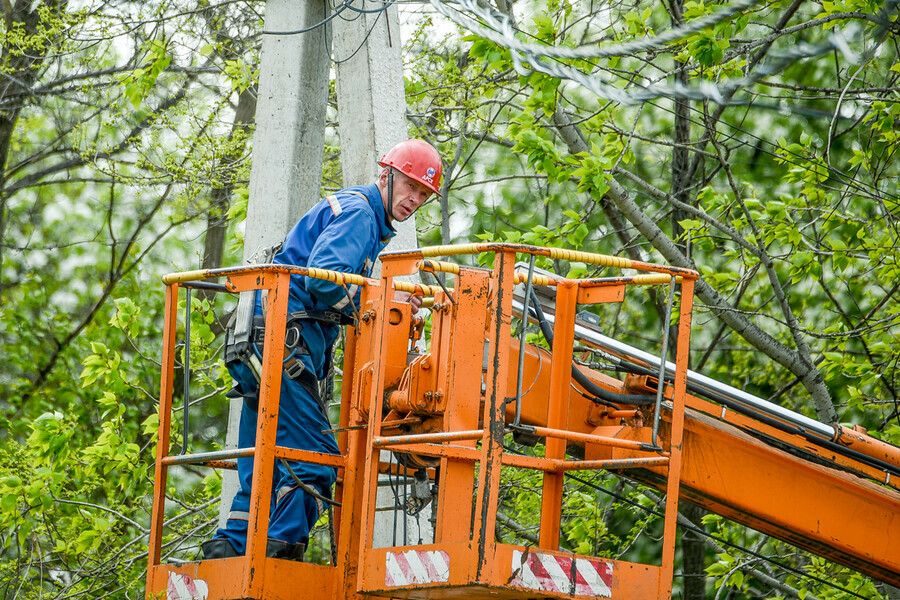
288	143
285	179
286	175
371	97
372	113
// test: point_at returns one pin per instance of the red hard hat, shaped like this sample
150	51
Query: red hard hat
416	159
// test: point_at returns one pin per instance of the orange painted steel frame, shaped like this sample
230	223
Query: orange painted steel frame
828	510
478	313
474	423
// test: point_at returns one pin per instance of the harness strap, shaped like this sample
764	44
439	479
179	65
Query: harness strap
294	348
331	317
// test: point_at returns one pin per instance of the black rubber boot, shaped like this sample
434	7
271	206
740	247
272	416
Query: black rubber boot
284	550
217	548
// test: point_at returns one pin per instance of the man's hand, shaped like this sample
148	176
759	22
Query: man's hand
414	299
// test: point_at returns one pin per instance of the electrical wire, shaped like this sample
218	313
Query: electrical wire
886	467
346	5
405	500
400	506
850	181
862	187
333	15
502	34
837	42
600	395
500	24
365	39
363	11
784	154
396	499
595	393
855	184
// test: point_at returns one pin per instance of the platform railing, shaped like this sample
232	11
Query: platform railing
248	576
474	312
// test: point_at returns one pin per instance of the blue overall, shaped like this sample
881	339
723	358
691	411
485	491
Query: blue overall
344	232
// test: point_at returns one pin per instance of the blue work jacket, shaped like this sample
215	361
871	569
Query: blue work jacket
343	232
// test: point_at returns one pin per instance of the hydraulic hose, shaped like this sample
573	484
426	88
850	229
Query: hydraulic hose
595	393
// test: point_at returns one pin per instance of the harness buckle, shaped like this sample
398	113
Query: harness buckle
293	367
292	337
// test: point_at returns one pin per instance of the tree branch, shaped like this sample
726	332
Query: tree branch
756	337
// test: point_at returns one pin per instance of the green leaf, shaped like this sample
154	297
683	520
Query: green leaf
23	532
736	580
707	50
581	232
544	26
8	503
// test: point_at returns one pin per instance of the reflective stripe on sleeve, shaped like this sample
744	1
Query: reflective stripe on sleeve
239	515
346	299
335	205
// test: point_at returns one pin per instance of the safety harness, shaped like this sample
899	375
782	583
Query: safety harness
247	328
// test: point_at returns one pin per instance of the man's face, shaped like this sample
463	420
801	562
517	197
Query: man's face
409	195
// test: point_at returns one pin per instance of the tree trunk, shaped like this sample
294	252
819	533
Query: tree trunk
693	555
20	69
217	224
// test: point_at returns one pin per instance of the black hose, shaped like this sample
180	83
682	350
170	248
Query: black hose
792	429
605	397
774	423
595	393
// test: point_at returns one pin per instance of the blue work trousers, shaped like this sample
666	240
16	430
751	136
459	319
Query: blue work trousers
292	511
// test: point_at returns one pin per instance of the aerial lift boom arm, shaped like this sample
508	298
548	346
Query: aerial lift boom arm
829	489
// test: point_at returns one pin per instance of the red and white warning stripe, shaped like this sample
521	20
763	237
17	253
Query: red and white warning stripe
416	567
183	587
551	573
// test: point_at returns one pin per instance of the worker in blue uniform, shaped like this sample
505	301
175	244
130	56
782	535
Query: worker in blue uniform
344	232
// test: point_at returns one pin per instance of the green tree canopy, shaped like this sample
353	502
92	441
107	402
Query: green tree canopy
752	141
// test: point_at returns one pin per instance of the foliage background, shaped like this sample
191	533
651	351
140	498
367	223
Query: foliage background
760	150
